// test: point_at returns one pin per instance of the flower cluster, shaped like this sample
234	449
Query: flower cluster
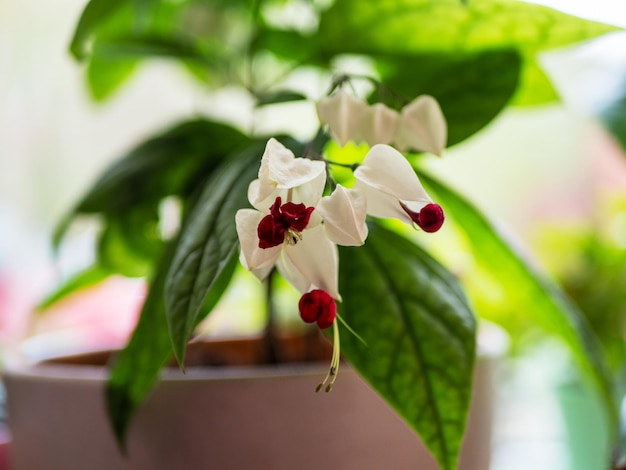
295	228
420	125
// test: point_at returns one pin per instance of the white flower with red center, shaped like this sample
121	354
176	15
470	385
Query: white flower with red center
420	125
293	227
393	190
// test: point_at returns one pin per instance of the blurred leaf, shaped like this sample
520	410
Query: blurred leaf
279	96
207	246
613	115
105	76
288	44
471	88
136	368
519	293
130	242
175	162
81	280
419	335
446	26
94	14
136	46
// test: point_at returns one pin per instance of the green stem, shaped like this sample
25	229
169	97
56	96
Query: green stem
270	342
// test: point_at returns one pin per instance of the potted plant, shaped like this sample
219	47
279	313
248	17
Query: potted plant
322	211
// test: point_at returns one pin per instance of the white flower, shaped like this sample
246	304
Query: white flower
393	190
419	126
343	113
379	125
344	214
293	227
422	126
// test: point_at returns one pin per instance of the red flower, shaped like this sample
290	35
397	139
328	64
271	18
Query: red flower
317	306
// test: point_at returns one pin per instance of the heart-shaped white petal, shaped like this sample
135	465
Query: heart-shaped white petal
385	177
317	259
251	256
343	113
281	170
422	126
344	214
379	126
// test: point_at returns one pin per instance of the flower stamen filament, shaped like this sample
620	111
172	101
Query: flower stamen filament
331	376
292	236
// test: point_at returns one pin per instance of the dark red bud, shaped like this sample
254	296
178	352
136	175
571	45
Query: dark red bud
318	307
269	233
282	217
430	218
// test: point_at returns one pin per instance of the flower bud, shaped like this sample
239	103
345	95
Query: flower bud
430	218
317	306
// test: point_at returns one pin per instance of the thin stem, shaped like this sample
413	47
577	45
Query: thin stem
270	343
351	166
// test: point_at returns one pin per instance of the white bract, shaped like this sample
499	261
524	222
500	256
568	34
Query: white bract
293	227
420	125
390	185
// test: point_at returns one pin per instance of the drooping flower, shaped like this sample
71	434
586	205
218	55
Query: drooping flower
422	126
393	190
343	113
419	126
317	306
292	227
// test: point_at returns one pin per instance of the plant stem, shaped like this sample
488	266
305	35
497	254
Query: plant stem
270	343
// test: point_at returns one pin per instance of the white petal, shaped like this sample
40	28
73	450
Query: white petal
388	171
252	257
422	126
291	274
343	113
380	204
344	214
379	126
316	258
280	169
309	194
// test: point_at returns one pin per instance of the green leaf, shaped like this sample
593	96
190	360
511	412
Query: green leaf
447	26
94	14
135	370
419	335
613	116
519	293
279	96
174	163
130	242
105	76
149	45
471	88
81	280
208	243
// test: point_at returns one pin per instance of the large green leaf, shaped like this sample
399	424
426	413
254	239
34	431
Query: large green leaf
516	293
449	26
94	14
104	76
419	336
173	163
130	242
471	88
208	243
185	279
136	368
138	46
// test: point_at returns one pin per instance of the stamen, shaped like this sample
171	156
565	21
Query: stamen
334	362
292	236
